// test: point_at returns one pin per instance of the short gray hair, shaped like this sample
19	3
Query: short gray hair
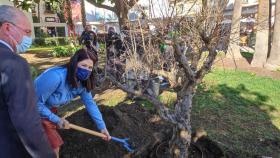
10	14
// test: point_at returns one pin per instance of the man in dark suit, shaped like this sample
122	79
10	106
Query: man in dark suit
21	132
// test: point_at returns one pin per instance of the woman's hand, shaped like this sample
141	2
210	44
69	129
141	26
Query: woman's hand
108	137
64	124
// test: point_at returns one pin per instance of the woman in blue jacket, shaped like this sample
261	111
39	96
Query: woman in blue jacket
57	86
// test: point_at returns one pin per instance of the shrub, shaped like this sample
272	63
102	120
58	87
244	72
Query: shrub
60	51
101	45
62	41
39	33
51	41
64	51
39	42
72	50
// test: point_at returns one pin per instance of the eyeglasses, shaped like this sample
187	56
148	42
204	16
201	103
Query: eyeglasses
27	31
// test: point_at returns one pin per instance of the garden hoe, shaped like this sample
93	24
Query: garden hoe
123	142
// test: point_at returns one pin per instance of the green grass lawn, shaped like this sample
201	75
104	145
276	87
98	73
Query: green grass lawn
240	111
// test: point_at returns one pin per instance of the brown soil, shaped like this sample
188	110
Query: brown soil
43	60
148	134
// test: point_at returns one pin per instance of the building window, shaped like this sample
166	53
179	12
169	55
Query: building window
60	31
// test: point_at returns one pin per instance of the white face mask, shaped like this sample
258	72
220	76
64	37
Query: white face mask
26	42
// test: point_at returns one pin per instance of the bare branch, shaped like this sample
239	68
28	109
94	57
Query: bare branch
182	59
99	5
206	65
164	112
131	3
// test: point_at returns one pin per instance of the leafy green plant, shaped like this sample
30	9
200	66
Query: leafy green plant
51	41
39	42
64	51
72	50
60	51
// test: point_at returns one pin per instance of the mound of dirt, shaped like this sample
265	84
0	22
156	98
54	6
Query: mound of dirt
148	134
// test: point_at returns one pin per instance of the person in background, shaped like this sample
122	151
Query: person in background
21	132
57	86
115	52
89	39
113	38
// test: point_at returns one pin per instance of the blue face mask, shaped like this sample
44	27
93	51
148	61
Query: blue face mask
24	45
83	74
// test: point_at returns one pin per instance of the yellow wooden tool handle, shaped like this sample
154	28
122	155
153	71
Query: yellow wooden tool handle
88	131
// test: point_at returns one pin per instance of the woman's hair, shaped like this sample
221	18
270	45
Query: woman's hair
72	65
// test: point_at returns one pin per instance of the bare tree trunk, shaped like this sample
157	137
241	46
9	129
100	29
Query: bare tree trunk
83	12
69	15
123	20
270	28
181	138
204	5
38	2
261	48
234	48
273	61
122	11
179	145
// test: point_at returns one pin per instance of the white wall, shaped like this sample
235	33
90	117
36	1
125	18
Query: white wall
6	2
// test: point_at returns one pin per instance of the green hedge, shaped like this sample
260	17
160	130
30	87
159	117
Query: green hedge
51	41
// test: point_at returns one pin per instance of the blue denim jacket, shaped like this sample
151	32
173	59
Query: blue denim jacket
53	91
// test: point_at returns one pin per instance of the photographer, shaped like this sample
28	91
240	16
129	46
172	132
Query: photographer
89	39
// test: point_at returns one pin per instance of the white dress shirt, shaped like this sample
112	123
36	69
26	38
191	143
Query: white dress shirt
6	44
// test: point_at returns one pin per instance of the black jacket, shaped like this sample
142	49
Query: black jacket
87	37
21	132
